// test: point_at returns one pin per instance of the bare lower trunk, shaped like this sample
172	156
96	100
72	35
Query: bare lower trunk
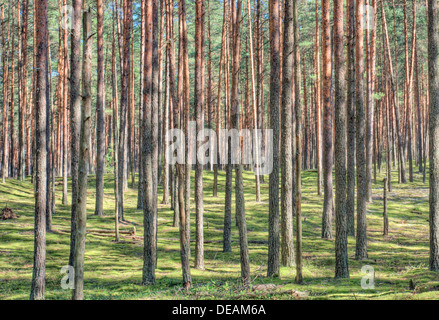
350	146
100	124
361	245
199	112
433	81
287	249
273	219
341	228
84	160
39	267
327	125
75	116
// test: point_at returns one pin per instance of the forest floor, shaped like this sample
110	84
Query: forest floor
114	270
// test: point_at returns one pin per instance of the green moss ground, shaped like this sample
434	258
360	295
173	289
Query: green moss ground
114	270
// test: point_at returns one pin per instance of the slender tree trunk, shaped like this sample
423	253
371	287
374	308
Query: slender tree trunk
407	94
433	81
39	266
318	106
199	112
327	111
305	152
385	217
218	106
75	116
49	138
100	125
254	104
350	146
388	125
115	126
184	239
5	78
185	119
131	103
22	95
273	218
125	80
12	165
299	126
154	119
227	243
141	192
166	106
287	249
370	106
410	99
235	122
65	118
418	104
361	244
166	168
260	73
341	227
149	259
84	159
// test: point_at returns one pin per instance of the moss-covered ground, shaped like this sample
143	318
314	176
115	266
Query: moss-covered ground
114	270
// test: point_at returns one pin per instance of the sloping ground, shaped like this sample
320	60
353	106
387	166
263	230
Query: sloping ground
114	270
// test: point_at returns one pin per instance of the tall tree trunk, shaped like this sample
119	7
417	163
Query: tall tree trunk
39	266
184	239
318	106
149	259
299	126
75	115
141	192
218	107
350	146
166	167
370	67
361	245
273	218
327	114
260	73
410	95
49	130
254	104
341	228
199	113
235	122
418	104
185	122
100	125
5	78
154	119
433	81
84	159
115	125
287	249
227	243
407	95
65	117
125	80
11	156
59	88
388	128
22	92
